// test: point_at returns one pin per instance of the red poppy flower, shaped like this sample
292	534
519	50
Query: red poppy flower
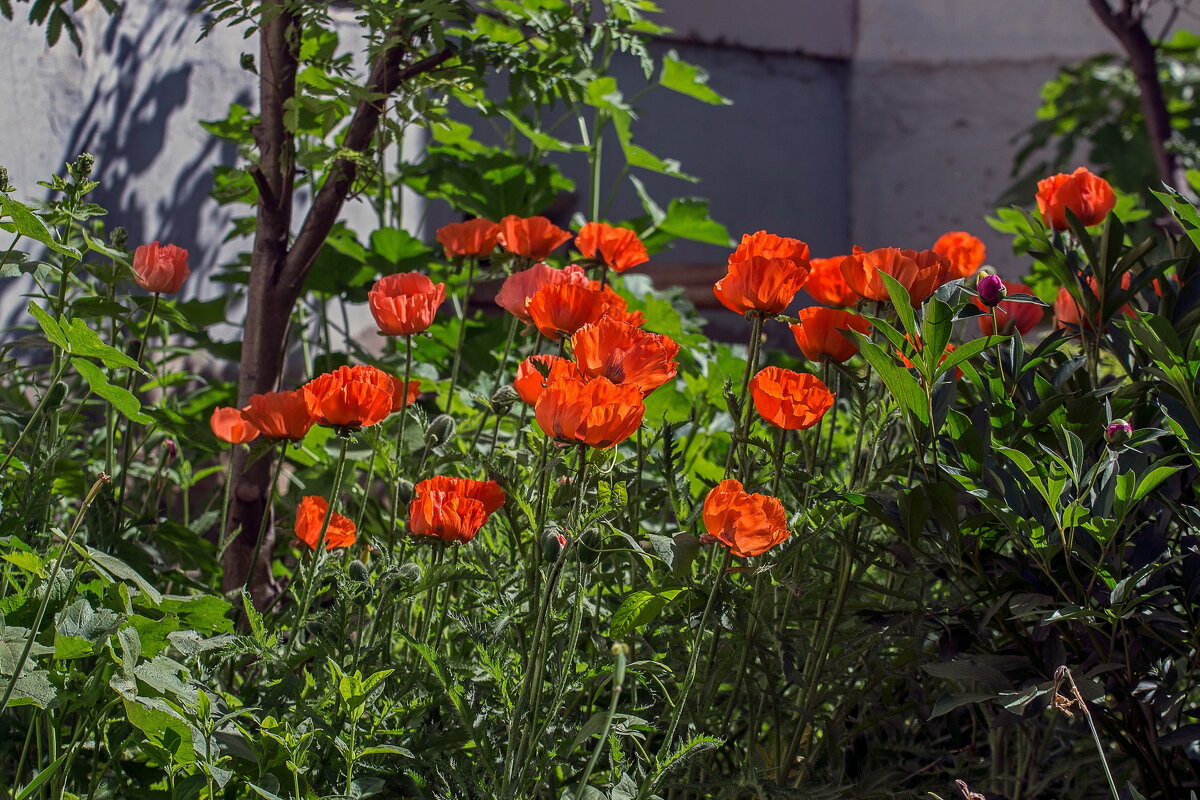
452	509
561	309
598	413
765	286
1022	317
160	268
966	253
474	238
520	286
619	248
531	380
1089	197
350	397
405	303
531	237
820	336
768	245
790	400
230	426
279	415
1068	314
310	517
918	272
625	354
827	285
617	307
402	396
747	524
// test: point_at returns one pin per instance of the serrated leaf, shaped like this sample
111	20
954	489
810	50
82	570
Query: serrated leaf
688	79
120	398
50	327
28	224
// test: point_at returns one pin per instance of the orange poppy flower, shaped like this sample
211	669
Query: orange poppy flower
619	248
561	309
350	397
765	286
966	253
279	415
402	396
514	294
474	238
820	336
531	237
625	354
598	413
161	269
827	285
768	245
531	380
1021	317
790	400
230	426
405	303
617	307
452	509
747	524
1089	197
1068	314
310	517
918	272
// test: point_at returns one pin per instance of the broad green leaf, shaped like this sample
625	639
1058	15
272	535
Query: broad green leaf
84	341
38	780
120	398
26	223
680	76
900	383
50	326
163	729
687	218
640	608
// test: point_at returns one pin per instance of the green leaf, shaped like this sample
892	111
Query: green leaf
41	778
680	76
163	729
86	342
28	224
640	608
120	398
900	383
50	326
688	218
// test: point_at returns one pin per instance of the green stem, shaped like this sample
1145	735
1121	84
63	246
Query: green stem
38	410
391	542
462	334
618	684
262	527
743	419
128	441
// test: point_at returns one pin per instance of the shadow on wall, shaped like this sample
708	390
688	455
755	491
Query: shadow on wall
141	79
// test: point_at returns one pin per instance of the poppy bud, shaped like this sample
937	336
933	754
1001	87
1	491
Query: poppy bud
552	546
991	290
119	237
404	490
620	652
5	186
58	393
1118	432
502	400
171	449
441	429
409	573
247	63
358	572
589	548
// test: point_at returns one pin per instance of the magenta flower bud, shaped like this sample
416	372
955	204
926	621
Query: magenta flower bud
991	290
1118	432
172	451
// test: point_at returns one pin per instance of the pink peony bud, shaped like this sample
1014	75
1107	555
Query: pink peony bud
1118	432
991	290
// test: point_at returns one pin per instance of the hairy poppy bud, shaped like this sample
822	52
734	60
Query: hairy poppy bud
404	490
119	237
441	429
552	546
58	393
589	547
4	184
502	400
409	573
991	290
1118	432
358	572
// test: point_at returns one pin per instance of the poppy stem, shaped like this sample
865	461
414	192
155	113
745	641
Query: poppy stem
319	550
391	541
462	333
262	526
694	662
128	440
742	422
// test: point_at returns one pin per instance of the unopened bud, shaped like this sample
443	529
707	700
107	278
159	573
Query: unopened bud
552	546
358	572
589	548
409	573
404	490
1118	432
248	64
991	290
119	237
5	186
56	396
441	430
172	450
503	399
83	165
